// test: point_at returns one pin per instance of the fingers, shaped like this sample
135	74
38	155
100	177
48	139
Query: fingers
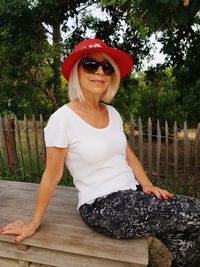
22	229
158	192
164	194
19	238
11	228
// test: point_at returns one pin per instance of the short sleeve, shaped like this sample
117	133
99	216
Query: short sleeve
55	133
121	122
117	117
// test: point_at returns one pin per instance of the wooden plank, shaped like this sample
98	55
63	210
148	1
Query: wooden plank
71	218
166	151
42	139
33	264
10	142
2	152
175	150
31	187
23	263
132	134
36	143
3	141
60	259
75	238
84	241
28	146
196	185
197	142
140	137
18	137
1	163
186	149
158	149
53	206
6	262
150	148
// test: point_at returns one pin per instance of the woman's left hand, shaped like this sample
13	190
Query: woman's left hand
160	193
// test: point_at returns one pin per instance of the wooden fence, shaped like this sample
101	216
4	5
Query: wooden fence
22	150
169	156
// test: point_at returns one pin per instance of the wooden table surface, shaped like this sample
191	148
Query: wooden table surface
62	229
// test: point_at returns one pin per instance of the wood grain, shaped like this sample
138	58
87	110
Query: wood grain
63	239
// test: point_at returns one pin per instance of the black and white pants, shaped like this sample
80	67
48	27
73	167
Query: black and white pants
133	214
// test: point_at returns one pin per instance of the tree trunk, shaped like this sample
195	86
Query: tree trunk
51	96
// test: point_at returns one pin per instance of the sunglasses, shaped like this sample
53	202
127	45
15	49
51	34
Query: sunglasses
91	65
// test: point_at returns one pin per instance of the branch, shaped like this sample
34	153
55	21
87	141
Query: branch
84	7
51	33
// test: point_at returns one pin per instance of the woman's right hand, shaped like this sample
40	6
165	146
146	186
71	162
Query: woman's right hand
52	175
22	229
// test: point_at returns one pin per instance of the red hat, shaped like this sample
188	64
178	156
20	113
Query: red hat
122	59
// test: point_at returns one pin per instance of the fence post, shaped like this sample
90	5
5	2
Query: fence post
175	150
18	135
36	143
28	146
167	151
4	157
9	144
150	148
132	134
186	149
42	139
197	142
140	136
196	181
158	149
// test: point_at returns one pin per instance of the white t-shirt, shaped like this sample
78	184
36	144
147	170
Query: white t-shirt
96	158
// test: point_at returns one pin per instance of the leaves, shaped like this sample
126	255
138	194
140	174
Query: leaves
31	65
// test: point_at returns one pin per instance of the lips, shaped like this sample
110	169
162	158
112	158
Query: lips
97	81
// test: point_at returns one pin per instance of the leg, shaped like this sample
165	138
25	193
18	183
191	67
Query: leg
186	252
132	214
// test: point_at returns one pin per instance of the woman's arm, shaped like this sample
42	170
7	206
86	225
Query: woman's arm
142	178
50	178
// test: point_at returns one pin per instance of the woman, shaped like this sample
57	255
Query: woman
116	197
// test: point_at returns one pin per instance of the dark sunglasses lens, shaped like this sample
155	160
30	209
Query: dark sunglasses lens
107	68
90	65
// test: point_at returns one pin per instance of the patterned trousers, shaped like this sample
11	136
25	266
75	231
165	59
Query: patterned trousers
133	214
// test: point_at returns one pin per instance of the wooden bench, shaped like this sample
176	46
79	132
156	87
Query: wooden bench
63	239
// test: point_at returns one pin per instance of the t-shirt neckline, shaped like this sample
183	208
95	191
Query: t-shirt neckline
87	123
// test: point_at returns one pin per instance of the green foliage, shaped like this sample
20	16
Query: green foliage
30	73
30	77
127	99
179	31
158	98
155	15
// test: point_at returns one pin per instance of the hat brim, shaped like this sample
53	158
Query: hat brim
122	59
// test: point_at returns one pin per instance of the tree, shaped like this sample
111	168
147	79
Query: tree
22	55
178	25
158	98
32	61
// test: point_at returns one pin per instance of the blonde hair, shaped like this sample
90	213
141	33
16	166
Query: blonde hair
74	88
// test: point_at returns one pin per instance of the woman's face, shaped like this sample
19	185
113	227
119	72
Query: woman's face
94	83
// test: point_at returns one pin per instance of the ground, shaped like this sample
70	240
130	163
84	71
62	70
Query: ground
159	255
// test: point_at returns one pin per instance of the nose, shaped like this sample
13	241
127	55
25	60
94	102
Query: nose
99	71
